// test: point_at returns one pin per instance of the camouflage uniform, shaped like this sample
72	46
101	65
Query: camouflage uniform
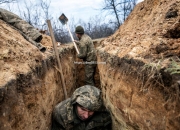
65	117
87	53
28	31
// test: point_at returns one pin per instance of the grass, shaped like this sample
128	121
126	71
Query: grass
174	68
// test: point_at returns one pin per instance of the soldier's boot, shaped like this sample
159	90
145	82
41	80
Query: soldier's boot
89	74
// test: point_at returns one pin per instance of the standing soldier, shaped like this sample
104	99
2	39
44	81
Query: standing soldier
83	111
87	54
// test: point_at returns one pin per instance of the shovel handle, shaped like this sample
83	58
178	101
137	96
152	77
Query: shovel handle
72	39
57	57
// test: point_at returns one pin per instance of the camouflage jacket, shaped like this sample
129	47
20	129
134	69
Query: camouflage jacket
28	31
65	118
87	50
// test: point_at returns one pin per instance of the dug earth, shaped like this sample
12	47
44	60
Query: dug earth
138	72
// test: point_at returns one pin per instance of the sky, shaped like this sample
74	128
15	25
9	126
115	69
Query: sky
77	9
80	9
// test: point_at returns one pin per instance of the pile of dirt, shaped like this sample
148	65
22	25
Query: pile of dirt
149	40
17	55
151	32
30	83
46	41
141	78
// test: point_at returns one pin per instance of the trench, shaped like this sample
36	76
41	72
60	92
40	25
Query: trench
27	101
135	100
131	72
134	95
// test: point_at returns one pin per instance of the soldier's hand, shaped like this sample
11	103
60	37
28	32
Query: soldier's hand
77	42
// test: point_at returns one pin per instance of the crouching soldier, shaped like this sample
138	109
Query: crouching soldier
83	111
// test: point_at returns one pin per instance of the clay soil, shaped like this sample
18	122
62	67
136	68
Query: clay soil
140	80
30	83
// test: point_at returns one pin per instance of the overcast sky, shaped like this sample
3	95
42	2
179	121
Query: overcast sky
77	9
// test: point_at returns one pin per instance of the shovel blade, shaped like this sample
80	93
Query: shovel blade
63	19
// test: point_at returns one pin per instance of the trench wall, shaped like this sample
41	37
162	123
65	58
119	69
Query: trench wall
27	101
137	97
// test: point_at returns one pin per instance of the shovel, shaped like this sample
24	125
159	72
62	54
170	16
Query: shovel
57	56
63	19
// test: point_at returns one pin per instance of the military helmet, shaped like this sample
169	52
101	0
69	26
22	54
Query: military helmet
79	30
88	97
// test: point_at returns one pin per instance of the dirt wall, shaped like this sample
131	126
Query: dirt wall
136	99
138	68
140	81
27	101
30	83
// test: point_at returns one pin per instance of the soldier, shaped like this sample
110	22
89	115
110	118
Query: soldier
87	53
28	31
83	111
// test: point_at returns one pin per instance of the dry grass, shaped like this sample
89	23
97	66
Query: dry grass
174	68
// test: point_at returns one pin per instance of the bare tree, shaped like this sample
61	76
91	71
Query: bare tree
27	14
32	13
45	7
126	6
95	28
7	1
112	6
37	12
119	8
45	4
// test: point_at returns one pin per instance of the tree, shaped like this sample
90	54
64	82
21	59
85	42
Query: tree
96	28
32	12
27	15
45	7
119	8
6	1
45	4
37	12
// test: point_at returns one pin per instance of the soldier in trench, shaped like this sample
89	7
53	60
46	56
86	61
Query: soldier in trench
83	111
30	33
87	54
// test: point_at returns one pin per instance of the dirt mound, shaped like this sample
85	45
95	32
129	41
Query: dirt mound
137	99
17	55
46	41
141	79
30	84
151	32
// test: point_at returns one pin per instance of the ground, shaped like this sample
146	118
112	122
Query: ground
139	80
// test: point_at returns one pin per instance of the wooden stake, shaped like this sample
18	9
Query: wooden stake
57	57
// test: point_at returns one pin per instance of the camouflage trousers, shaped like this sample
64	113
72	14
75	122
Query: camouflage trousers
90	70
28	31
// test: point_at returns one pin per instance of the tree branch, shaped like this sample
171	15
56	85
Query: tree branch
7	1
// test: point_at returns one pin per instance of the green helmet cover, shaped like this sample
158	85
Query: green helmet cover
79	30
88	97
